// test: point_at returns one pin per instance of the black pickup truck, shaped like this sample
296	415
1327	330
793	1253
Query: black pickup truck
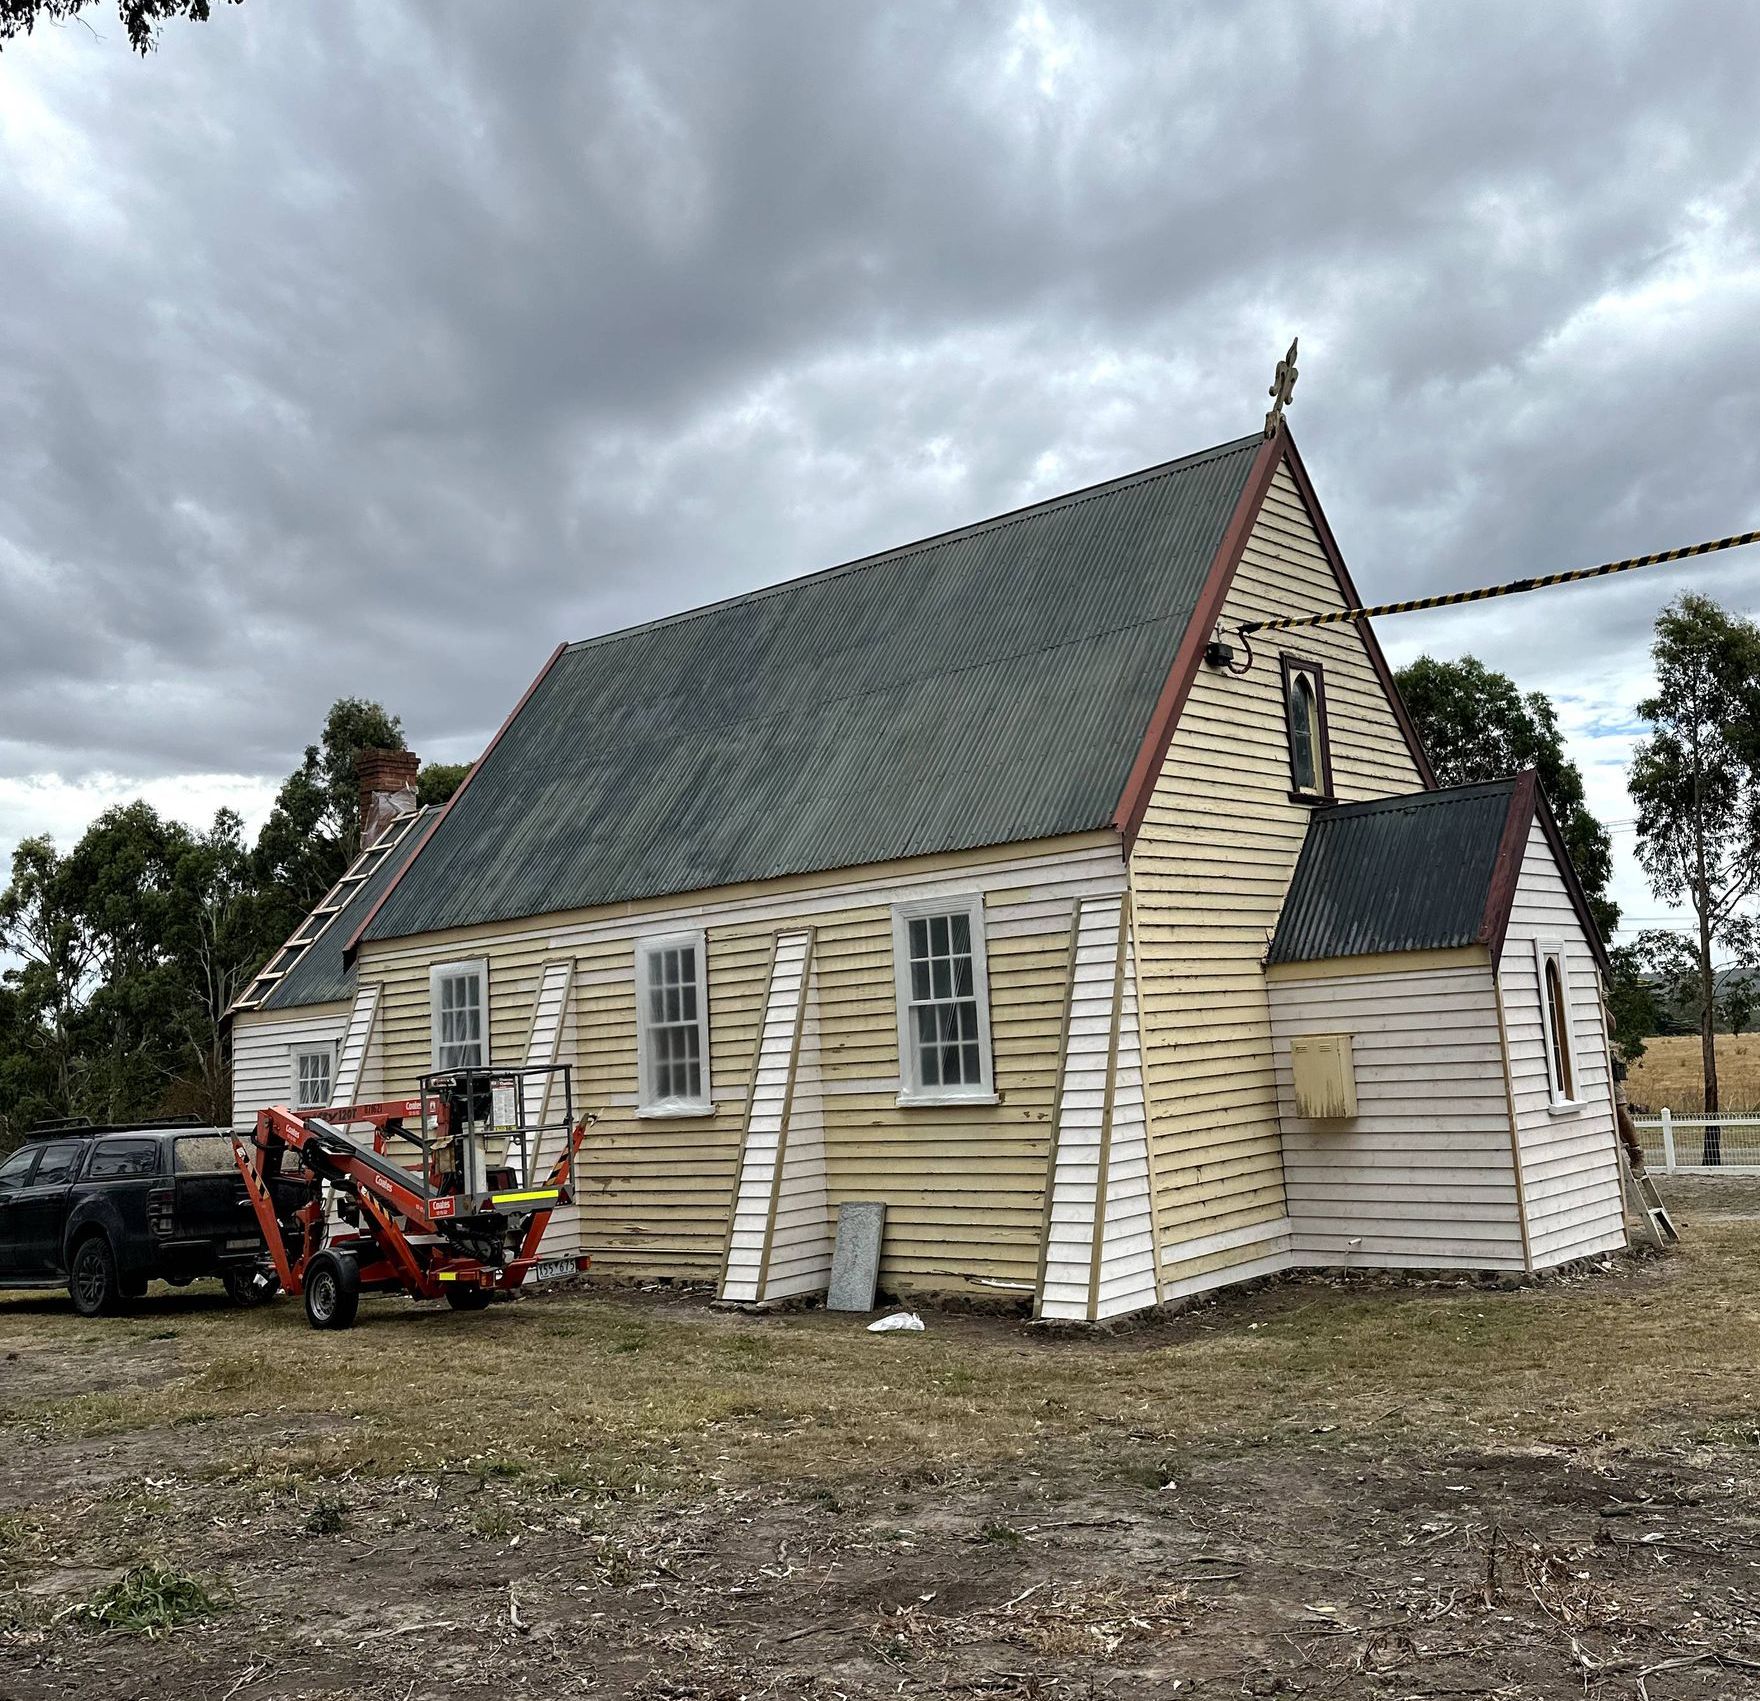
106	1210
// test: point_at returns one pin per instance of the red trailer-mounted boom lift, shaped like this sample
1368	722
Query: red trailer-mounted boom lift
442	1196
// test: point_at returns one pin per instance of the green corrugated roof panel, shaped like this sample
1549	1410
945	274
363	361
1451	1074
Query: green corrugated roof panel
320	976
1399	874
984	687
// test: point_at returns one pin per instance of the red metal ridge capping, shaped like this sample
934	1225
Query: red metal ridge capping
354	939
1500	894
1139	787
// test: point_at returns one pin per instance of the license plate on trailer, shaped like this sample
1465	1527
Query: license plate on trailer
248	1244
554	1269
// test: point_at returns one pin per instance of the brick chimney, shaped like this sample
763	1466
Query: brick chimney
387	779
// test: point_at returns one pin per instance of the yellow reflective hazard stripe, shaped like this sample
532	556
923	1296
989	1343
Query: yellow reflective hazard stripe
537	1193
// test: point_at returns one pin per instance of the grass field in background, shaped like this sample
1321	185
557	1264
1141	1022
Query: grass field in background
1668	1074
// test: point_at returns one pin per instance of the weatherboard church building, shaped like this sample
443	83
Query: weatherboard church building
995	878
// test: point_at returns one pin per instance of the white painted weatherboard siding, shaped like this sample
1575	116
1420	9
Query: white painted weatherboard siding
1570	1164
1127	1246
1100	1163
355	1058
1423	1176
769	1167
801	1236
263	1046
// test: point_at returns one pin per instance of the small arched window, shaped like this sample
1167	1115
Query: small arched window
1304	708
1556	1013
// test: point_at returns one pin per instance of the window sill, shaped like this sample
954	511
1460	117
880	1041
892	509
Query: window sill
918	1100
1314	799
675	1110
1566	1107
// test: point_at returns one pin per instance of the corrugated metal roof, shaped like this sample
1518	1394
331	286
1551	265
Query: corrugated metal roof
320	976
984	687
1399	874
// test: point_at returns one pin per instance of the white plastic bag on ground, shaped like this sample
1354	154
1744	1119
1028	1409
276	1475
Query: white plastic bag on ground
898	1320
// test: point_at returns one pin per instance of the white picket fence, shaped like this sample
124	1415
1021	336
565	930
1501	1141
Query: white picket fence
1677	1144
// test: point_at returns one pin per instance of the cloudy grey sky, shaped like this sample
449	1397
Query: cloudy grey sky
374	347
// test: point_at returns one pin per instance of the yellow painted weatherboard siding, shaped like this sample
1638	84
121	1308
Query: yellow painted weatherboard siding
964	1185
1208	875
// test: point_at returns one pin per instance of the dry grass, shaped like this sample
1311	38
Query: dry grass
618	1397
1669	1074
1302	1490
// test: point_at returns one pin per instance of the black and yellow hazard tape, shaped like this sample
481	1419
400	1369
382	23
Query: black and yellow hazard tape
1290	622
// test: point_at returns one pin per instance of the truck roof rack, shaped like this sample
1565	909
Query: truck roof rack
84	1125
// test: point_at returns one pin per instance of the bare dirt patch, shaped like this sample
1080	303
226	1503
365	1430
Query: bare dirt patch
1313	1490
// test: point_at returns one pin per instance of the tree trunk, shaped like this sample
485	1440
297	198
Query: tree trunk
1713	1153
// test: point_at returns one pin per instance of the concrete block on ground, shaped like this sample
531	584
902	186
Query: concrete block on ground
855	1261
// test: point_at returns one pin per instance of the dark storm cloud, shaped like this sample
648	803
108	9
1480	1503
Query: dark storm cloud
374	348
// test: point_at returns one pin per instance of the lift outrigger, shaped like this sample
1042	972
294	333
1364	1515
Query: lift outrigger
437	1196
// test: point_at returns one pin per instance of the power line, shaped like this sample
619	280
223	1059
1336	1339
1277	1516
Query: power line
1289	623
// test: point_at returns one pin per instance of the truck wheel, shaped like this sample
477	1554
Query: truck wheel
462	1298
246	1285
91	1276
333	1291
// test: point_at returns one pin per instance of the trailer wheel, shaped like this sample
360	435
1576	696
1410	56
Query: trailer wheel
463	1298
248	1284
333	1291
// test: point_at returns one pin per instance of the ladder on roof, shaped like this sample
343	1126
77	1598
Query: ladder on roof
334	902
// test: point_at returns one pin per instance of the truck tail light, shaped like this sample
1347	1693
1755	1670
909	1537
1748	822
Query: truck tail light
159	1207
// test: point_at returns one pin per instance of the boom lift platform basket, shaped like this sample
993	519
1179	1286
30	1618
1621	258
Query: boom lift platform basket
442	1196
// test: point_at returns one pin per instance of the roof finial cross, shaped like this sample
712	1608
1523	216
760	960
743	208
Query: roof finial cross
1283	389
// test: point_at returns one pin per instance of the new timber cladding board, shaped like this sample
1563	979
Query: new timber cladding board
779	1238
964	1186
1208	874
1099	1250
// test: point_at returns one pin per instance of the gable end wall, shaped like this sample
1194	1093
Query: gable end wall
1570	1165
1208	872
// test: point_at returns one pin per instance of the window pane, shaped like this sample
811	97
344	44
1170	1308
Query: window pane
919	931
962	931
941	977
13	1169
60	1160
938	935
962	977
120	1159
198	1154
1301	733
